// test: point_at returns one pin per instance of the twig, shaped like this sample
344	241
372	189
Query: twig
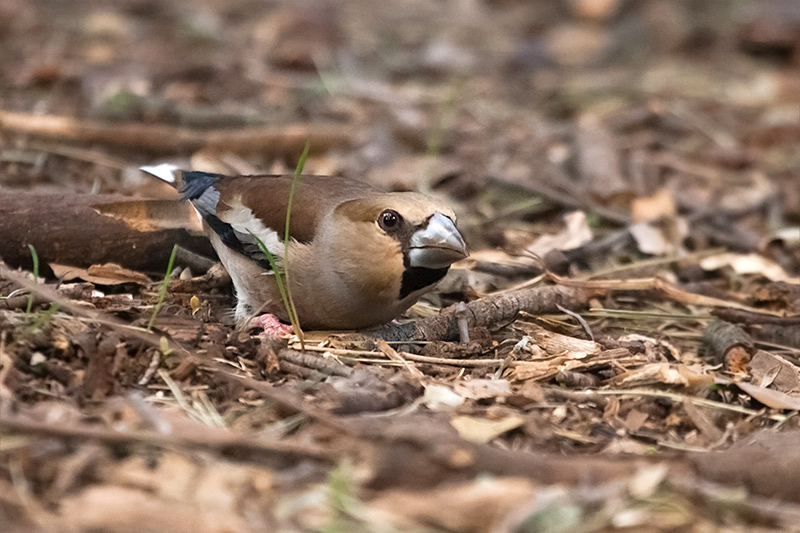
643	284
352	354
684	398
579	319
219	441
486	312
319	364
389	352
288	139
730	344
655	261
81	154
749	317
463	323
281	397
302	371
5	368
573	198
466	363
155	360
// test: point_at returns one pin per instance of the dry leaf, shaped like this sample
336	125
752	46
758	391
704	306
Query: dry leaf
558	345
660	205
440	397
647	479
649	239
635	420
771	398
107	274
651	374
526	370
481	430
475	506
661	239
785	374
748	264
123	509
479	389
576	233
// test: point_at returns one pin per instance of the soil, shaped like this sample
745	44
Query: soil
619	352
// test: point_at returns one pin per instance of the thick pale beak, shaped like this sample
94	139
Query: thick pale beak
437	245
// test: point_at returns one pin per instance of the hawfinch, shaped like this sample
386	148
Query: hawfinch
357	256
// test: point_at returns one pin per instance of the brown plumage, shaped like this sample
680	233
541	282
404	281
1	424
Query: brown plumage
357	256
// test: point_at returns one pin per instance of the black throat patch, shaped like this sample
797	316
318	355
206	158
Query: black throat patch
416	278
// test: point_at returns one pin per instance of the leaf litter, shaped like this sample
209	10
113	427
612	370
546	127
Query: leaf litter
631	302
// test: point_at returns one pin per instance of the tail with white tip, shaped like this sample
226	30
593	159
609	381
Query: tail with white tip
164	171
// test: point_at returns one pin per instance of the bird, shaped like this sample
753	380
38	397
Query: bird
356	256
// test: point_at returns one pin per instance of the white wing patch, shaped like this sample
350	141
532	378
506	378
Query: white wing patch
164	171
246	224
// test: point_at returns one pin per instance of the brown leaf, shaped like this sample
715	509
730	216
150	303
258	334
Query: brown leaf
107	274
785	376
769	397
575	233
651	374
480	430
480	389
474	506
748	264
635	420
129	510
660	205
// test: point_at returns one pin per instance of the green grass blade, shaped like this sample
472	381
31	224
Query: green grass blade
162	293
282	288
301	163
35	258
273	264
292	310
282	279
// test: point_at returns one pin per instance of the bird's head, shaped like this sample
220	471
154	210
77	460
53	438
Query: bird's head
406	241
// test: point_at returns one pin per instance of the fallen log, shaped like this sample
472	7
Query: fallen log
85	230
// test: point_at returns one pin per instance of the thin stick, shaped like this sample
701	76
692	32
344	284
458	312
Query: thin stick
683	398
278	140
281	397
206	440
352	354
656	261
670	290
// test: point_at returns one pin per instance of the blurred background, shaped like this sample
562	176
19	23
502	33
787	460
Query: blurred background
588	102
607	140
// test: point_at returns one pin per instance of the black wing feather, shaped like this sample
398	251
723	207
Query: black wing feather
195	184
200	189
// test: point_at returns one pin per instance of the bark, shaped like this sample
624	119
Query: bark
493	310
730	344
85	230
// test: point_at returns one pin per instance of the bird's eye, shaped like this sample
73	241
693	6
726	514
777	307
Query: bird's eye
389	220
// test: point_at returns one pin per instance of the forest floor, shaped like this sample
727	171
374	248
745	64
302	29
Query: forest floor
627	177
